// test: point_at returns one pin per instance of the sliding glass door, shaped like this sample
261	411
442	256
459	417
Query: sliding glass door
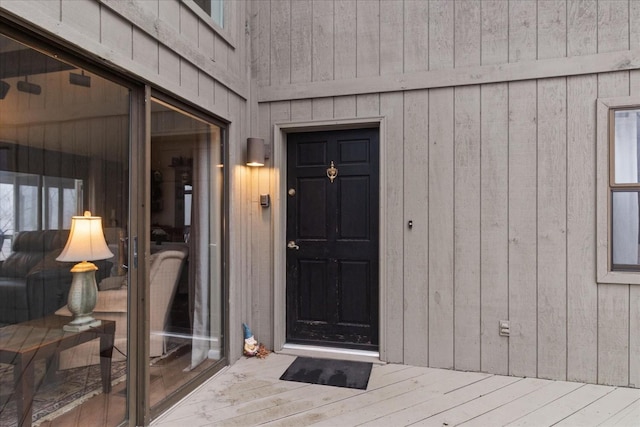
185	270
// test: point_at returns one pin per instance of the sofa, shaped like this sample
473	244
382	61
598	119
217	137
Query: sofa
32	283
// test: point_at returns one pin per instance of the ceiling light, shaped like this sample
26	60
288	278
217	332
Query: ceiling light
25	86
4	88
80	79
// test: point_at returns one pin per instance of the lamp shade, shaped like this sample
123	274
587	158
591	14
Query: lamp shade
86	240
255	152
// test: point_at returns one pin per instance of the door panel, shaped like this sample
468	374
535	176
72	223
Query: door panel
332	230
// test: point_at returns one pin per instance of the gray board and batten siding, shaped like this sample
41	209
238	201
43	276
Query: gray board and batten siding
488	141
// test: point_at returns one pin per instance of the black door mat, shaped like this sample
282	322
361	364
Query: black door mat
338	373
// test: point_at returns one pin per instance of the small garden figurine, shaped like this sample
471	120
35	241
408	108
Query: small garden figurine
250	343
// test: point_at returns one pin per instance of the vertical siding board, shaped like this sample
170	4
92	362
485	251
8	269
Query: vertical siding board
467	27
582	291
552	240
169	13
634	334
280	42
368	105
522	31
82	16
301	110
552	29
367	38
495	27
441	154
613	25
613	300
613	334
168	65
416	241
344	106
391	107
582	27
416	35
391	46
634	43
494	227
261	39
467	33
116	32
322	41
301	41
441	19
345	39
467	228
188	23
522	228
322	108
145	50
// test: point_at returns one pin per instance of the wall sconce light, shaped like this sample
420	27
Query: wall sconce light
257	152
85	243
25	86
4	88
80	79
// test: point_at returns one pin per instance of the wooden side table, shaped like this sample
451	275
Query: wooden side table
24	343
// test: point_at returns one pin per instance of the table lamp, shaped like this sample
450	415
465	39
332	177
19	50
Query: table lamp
86	243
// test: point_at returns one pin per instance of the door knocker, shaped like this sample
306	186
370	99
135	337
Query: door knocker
332	172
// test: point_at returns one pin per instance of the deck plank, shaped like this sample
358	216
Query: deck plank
251	393
411	409
524	405
602	409
432	382
564	407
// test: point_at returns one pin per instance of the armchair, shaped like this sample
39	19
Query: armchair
164	275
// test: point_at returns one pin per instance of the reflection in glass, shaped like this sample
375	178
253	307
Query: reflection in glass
186	268
626	147
63	148
626	228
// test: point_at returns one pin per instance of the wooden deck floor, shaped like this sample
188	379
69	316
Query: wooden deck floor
250	393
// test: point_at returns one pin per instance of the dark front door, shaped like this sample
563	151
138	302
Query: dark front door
332	238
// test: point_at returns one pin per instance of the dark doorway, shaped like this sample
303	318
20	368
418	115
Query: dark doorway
332	238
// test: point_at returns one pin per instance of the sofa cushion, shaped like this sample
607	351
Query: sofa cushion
14	307
29	248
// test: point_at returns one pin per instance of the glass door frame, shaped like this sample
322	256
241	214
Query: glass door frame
138	411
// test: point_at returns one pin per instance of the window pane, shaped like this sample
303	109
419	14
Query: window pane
186	258
626	147
64	144
626	228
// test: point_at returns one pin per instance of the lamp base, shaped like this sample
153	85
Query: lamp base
90	323
82	298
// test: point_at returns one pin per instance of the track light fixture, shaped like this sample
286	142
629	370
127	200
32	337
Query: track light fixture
80	79
25	86
4	88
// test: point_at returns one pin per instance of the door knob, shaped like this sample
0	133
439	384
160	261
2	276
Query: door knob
292	245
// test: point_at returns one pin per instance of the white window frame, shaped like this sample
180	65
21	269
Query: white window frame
605	133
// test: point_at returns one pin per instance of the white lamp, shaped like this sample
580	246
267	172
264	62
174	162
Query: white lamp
86	243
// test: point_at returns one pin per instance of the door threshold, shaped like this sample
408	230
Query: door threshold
331	353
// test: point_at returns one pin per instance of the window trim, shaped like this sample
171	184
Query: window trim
605	132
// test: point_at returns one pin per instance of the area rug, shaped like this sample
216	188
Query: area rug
66	390
338	373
